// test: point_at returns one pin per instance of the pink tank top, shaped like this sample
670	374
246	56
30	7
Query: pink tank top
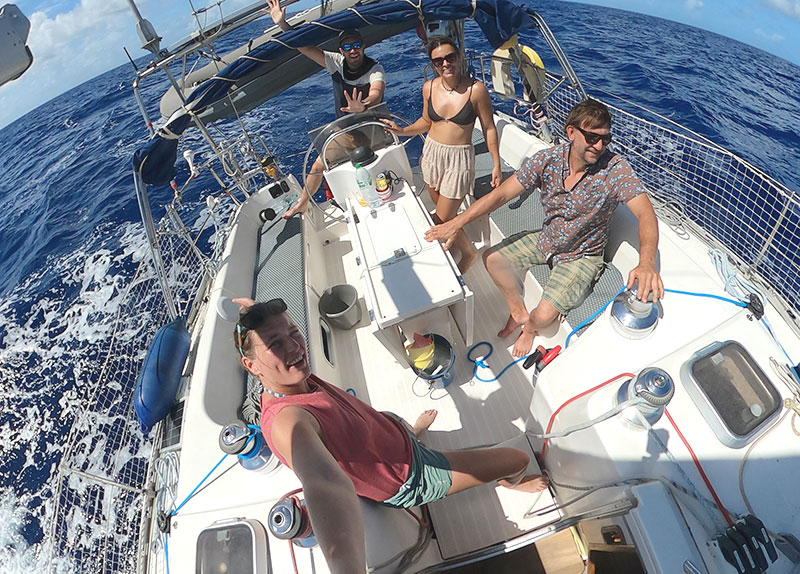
373	449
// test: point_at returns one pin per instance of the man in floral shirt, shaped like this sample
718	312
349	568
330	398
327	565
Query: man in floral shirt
581	184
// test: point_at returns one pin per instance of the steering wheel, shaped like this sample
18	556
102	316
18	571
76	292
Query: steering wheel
335	134
343	125
407	123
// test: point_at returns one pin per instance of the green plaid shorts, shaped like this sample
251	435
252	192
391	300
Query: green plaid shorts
569	282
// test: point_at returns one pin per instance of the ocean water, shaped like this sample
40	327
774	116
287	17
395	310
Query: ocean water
70	234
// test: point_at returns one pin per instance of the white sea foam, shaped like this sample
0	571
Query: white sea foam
55	327
51	339
16	554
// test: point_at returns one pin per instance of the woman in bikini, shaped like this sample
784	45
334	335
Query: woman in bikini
451	102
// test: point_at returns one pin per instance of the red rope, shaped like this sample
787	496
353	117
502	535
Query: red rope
292	494
674	425
700	469
576	397
294	560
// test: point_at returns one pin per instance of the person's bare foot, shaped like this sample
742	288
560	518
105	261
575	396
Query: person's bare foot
511	325
467	259
424	421
523	344
532	483
297	208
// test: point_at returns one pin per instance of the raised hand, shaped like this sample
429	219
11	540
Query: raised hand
277	12
354	103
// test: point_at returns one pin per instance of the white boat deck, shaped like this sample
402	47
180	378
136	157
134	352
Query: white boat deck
470	415
473	413
476	414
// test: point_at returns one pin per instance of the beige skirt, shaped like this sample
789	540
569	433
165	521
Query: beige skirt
449	169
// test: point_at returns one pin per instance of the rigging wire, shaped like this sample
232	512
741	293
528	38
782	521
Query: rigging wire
793	407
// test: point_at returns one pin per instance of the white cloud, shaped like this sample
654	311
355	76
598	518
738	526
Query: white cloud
692	5
789	7
68	49
769	36
76	45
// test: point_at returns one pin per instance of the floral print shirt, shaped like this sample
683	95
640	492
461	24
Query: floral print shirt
576	221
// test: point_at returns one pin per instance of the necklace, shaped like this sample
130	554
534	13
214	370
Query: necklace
275	394
448	89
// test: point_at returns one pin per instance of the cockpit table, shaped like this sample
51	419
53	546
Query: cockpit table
405	275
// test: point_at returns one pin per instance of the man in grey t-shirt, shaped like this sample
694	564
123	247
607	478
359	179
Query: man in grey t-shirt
358	84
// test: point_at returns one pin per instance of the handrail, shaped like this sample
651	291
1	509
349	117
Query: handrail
152	240
555	47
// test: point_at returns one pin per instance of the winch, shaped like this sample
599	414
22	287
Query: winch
246	442
632	318
655	387
289	520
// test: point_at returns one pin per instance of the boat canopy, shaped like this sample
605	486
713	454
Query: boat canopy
498	19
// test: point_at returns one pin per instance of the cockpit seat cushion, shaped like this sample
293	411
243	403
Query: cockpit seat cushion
280	272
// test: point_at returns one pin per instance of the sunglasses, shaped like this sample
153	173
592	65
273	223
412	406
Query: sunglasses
351	46
450	58
254	317
592	138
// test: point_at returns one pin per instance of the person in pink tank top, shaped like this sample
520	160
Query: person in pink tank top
310	425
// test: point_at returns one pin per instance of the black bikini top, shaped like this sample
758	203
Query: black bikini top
464	117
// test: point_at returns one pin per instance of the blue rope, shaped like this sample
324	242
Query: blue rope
734	301
210	472
199	484
259	440
256	450
166	551
480	362
775	338
592	318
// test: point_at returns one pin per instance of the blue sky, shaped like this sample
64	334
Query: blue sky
75	40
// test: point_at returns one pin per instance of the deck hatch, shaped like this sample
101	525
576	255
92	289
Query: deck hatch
732	391
235	545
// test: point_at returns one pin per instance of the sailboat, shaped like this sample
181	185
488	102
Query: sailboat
667	430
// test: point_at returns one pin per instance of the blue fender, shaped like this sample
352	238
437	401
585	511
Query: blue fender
161	374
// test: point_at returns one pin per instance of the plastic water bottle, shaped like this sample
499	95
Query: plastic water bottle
367	187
